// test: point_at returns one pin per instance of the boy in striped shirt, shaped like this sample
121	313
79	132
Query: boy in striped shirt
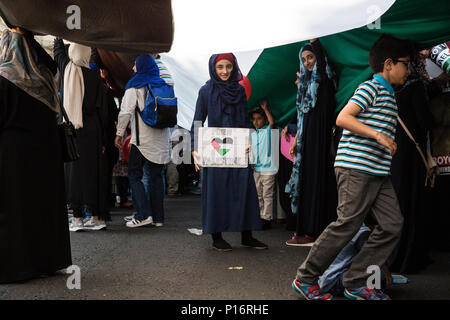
362	168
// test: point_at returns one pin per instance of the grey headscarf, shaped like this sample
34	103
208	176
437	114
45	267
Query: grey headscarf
19	64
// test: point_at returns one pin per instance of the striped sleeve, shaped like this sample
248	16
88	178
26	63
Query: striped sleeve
364	95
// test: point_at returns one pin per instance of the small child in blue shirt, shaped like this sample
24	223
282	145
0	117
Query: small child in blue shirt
264	168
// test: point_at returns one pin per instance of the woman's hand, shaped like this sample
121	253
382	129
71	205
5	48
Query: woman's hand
19	30
196	157
284	133
292	150
298	79
118	142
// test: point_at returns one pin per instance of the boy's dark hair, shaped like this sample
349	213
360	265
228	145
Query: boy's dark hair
258	110
387	47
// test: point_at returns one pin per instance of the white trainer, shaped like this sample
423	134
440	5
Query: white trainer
94	224
139	223
76	225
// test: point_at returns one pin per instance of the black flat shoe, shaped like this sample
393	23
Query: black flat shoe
221	245
266	224
253	243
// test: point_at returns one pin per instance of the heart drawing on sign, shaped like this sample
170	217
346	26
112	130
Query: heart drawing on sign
216	143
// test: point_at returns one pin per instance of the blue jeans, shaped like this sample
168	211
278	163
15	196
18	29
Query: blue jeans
146	179
152	205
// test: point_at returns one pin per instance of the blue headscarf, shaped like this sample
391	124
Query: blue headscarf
147	73
308	86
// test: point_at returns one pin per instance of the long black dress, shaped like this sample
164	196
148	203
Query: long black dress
86	177
317	195
34	234
408	177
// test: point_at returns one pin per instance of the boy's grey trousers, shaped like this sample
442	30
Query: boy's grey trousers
359	195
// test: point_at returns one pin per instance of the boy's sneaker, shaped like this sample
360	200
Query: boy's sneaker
310	291
300	241
76	225
94	224
139	223
382	295
129	218
253	243
365	293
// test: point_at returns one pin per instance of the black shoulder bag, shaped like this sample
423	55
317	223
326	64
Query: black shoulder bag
68	139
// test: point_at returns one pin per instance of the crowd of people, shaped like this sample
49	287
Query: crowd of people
351	187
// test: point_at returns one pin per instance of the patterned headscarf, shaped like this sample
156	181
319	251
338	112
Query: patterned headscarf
19	64
418	71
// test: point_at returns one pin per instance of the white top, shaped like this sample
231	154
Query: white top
154	143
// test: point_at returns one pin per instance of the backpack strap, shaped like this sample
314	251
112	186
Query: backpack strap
136	121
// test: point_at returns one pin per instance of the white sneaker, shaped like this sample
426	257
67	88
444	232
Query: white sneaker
94	224
129	218
139	223
76	225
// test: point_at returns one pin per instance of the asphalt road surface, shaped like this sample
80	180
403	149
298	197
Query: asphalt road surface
170	263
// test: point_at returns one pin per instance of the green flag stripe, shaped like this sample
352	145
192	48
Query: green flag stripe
272	76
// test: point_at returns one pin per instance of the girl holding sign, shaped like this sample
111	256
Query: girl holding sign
229	197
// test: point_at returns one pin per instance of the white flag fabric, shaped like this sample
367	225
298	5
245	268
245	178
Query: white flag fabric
246	27
212	26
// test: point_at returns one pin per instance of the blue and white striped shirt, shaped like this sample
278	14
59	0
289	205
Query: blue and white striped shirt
379	111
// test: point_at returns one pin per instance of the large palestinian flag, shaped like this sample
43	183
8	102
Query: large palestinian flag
264	35
272	71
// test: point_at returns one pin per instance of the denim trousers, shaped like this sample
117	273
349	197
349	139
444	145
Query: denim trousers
146	179
154	204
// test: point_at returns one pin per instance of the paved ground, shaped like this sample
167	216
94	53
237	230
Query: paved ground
170	263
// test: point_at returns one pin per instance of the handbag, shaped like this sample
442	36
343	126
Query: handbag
68	137
431	166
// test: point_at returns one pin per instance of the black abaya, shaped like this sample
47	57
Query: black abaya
318	195
86	177
34	233
408	178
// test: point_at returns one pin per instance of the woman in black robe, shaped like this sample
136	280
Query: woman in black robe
312	186
34	236
408	170
84	98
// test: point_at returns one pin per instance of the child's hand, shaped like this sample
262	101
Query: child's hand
387	142
263	104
